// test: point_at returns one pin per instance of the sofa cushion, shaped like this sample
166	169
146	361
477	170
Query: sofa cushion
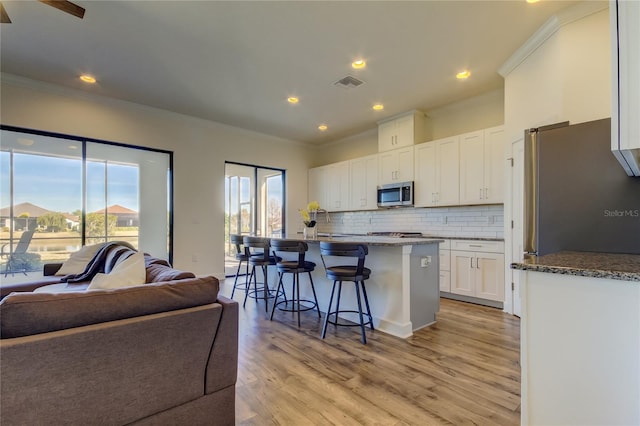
159	272
79	260
127	273
23	314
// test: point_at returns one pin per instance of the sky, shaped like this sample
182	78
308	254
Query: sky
54	183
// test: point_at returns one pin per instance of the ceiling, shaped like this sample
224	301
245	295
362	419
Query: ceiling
236	62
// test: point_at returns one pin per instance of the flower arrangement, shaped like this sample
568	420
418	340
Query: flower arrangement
309	214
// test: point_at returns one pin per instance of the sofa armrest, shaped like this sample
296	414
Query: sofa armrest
222	368
51	269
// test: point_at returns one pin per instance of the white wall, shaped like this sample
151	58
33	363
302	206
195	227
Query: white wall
200	149
568	78
478	112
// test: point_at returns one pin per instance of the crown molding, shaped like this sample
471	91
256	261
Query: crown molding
549	28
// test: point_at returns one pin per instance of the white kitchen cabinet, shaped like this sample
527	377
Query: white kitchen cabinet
477	269
316	186
625	56
400	131
481	167
337	187
437	173
395	166
329	186
445	266
364	183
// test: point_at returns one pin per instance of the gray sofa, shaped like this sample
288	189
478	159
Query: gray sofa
161	353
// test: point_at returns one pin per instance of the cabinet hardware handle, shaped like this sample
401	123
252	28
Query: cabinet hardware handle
471	262
477	263
475	245
481	193
486	193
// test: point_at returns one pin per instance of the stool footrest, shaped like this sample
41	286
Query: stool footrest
294	304
369	320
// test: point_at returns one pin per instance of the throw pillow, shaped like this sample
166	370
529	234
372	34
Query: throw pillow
128	273
79	260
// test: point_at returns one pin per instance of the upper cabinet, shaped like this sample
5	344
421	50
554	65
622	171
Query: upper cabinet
437	173
364	183
625	53
395	166
481	167
317	189
329	186
401	131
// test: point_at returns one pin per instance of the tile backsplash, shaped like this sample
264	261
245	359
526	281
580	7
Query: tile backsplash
463	221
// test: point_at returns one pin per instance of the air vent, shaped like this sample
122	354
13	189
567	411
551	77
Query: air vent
349	82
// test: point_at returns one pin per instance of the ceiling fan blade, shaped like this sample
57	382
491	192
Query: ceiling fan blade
66	6
4	18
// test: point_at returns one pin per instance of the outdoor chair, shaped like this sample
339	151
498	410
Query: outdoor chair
12	256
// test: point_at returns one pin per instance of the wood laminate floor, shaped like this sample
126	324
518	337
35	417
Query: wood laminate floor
463	370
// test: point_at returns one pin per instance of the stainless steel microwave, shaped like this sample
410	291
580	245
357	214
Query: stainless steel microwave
395	195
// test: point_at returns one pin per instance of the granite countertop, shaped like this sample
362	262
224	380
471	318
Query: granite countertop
614	266
369	240
465	238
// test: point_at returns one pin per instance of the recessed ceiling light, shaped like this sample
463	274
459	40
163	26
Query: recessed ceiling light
322	127
463	75
533	1
87	78
293	100
378	107
360	63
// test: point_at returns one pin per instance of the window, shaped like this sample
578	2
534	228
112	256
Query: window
73	192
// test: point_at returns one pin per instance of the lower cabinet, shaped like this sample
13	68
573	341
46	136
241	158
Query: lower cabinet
445	266
477	269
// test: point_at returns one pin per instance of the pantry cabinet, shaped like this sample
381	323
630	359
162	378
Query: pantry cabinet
364	183
401	131
437	173
482	166
477	269
396	166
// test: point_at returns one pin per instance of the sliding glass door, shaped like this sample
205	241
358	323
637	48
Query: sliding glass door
68	192
254	204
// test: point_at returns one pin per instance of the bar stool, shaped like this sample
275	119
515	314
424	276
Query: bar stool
242	255
294	267
258	252
339	273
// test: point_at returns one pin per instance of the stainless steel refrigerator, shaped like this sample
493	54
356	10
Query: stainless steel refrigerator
577	196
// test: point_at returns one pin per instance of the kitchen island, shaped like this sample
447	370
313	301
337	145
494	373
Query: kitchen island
580	338
403	290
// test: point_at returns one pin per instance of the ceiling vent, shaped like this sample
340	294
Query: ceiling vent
349	82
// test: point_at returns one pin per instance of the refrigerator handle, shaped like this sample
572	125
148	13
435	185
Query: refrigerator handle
531	191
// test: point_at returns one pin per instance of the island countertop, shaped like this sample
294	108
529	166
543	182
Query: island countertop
615	266
371	240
